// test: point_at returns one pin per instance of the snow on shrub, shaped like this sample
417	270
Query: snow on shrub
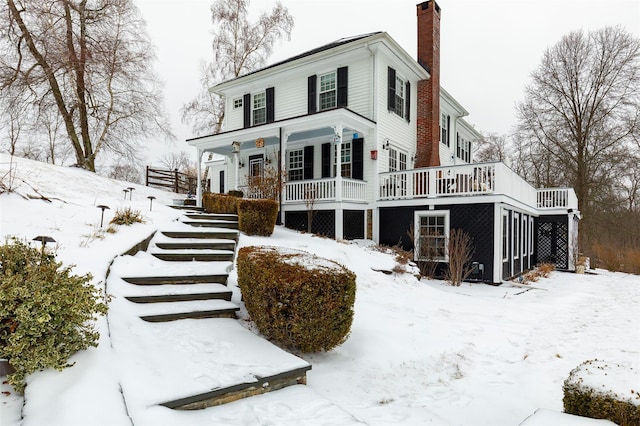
300	301
603	390
46	312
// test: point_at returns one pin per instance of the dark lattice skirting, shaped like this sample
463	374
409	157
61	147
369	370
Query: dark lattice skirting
324	222
353	223
552	238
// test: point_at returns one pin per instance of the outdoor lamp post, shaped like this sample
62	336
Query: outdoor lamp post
151	198
125	193
44	239
103	208
130	191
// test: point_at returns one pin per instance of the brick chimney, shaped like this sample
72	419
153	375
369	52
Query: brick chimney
428	110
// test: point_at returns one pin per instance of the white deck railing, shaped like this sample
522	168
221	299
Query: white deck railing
471	179
430	182
325	190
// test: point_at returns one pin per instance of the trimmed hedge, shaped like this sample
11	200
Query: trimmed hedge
299	301
46	312
257	217
220	203
603	390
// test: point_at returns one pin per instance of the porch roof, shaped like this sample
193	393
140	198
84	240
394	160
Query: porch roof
303	127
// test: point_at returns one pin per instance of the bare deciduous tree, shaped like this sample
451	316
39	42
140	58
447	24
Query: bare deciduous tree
180	161
239	47
493	147
92	60
582	107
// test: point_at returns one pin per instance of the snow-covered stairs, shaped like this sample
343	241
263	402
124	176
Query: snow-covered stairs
178	288
169	297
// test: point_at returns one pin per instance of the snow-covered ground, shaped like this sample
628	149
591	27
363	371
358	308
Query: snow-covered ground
420	352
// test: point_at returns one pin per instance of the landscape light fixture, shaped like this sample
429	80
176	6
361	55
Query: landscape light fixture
103	208
44	239
130	191
151	198
125	193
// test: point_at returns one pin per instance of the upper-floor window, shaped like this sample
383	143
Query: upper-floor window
259	108
328	91
237	103
399	104
463	148
398	94
444	126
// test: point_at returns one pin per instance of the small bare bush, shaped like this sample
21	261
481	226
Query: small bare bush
127	216
461	250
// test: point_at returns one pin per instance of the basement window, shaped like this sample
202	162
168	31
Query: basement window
432	232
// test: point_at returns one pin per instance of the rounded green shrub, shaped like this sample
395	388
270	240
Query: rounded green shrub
603	390
46	312
299	301
257	217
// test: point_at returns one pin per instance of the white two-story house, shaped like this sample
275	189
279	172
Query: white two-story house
367	138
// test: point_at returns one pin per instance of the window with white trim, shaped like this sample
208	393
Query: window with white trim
237	103
259	109
463	148
516	236
345	159
399	103
432	232
505	237
328	91
295	170
444	127
531	236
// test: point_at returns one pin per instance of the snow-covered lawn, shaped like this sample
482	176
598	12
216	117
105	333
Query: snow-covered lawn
420	352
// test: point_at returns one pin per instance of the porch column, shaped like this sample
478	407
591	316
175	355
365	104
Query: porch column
236	159
338	143
284	138
199	180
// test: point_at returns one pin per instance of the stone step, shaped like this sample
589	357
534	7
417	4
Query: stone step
212	216
184	279
225	235
197	245
186	207
215	313
161	298
212	223
175	310
220	256
243	390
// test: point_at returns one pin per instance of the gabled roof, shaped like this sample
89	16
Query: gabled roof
328	46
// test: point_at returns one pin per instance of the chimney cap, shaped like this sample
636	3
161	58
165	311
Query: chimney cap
425	5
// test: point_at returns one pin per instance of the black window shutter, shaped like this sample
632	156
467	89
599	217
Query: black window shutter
343	80
407	101
357	145
326	160
311	94
270	104
222	181
246	103
391	95
307	173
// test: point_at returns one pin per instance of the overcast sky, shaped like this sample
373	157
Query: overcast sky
488	47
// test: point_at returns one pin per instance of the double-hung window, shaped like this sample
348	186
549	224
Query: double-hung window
328	91
345	159
444	126
296	165
432	231
399	104
259	108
